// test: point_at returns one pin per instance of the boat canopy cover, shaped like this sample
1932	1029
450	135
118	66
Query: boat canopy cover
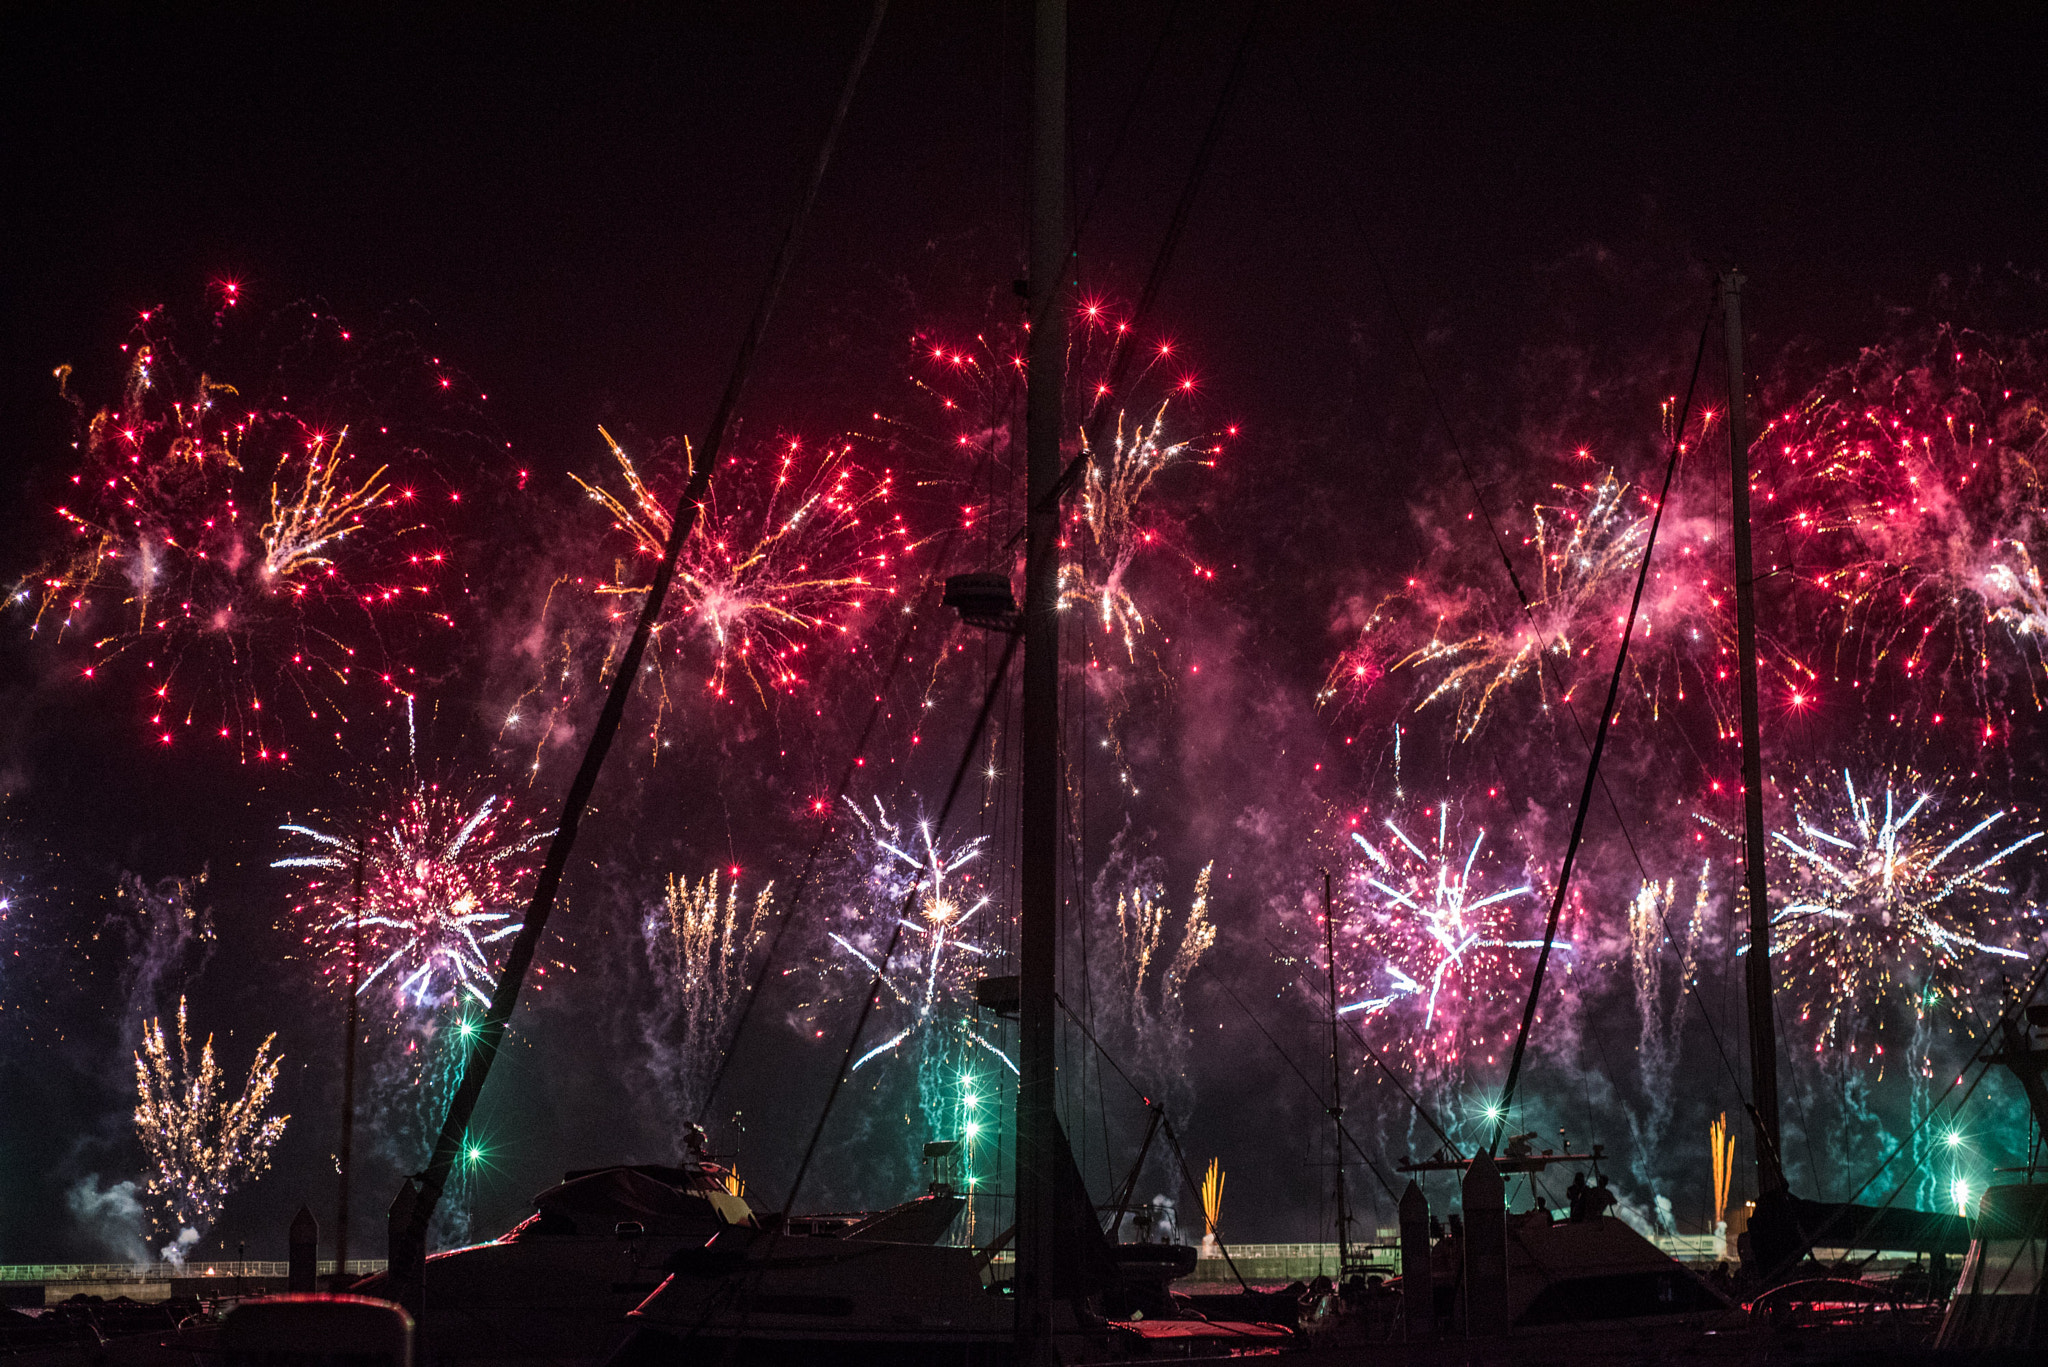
924	1220
598	1201
1568	1272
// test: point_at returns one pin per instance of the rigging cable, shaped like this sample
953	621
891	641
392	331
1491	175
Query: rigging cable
853	762
1571	851
1303	979
505	997
874	993
1984	1068
744	1294
1187	1174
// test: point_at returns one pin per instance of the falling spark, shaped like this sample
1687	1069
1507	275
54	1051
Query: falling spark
698	946
202	1142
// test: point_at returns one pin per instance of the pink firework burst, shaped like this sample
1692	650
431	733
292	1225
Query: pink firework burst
1436	935
244	569
444	875
785	559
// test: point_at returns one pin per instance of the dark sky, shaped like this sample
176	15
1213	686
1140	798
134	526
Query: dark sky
584	206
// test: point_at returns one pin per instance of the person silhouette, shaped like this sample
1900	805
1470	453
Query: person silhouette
1575	1196
1600	1199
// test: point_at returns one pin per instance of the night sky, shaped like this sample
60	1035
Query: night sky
575	216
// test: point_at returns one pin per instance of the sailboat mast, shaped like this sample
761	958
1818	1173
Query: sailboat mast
1763	1031
345	1161
1336	1078
1038	911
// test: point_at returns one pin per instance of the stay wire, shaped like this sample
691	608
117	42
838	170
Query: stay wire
744	1293
1314	1091
2018	1002
874	994
853	763
519	957
1303	979
1187	1174
1571	852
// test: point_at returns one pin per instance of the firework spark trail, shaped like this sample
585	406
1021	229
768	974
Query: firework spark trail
1890	896
1431	938
1143	984
698	947
1649	924
1152	985
1114	490
1659	1027
202	1142
245	558
782	568
442	883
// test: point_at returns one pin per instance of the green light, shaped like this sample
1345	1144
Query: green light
1955	1138
970	1101
473	1154
1960	1189
1493	1112
466	1027
973	1128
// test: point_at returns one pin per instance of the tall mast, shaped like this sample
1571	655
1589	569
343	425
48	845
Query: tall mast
1038	912
346	1158
1763	1031
1336	1078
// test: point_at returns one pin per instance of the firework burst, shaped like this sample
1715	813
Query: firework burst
442	874
781	561
1434	935
1908	487
933	969
203	1142
1588	545
245	565
1895	894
